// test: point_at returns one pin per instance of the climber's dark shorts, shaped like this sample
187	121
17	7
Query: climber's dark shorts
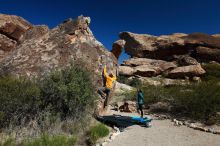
102	91
105	90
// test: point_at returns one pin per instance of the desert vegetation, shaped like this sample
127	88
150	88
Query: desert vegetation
96	132
199	101
54	109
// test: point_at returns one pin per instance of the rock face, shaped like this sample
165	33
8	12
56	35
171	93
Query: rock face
163	47
12	33
145	67
44	50
117	48
189	71
148	46
205	53
123	88
36	50
173	56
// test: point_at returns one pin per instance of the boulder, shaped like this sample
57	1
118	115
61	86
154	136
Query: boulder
216	35
185	60
121	88
45	50
126	70
41	50
163	65
207	54
12	33
117	48
13	26
160	81
165	46
36	32
7	44
160	107
196	79
189	71
148	46
146	80
142	70
147	70
145	67
128	106
201	39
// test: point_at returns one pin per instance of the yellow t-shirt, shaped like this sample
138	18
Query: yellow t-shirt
109	80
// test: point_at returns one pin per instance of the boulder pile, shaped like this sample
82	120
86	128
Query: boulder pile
176	56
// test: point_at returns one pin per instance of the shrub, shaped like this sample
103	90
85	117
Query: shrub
46	140
18	99
8	142
63	96
123	79
97	132
69	92
198	101
133	82
212	72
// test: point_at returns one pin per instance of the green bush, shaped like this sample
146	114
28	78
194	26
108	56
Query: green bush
123	79
46	140
134	82
154	94
97	132
18	99
198	101
68	93
8	142
212	72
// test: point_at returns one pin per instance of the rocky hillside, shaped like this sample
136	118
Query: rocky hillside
176	56
34	50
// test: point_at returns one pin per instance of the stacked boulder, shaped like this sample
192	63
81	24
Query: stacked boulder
176	56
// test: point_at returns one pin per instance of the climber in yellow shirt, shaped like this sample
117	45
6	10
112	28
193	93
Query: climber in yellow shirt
109	79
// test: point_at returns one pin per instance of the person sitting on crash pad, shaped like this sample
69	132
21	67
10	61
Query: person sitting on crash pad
109	79
140	101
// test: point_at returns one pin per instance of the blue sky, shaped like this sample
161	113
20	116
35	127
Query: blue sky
109	17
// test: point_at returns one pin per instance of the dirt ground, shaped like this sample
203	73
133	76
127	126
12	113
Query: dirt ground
163	133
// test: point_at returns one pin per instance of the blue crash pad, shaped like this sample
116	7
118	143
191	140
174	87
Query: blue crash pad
141	120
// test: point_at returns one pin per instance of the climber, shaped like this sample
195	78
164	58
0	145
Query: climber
109	79
140	101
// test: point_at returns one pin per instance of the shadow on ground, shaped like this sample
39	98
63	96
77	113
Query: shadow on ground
119	121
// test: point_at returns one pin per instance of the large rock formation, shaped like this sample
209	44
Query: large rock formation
173	56
145	67
165	46
36	50
44	50
189	71
12	33
117	48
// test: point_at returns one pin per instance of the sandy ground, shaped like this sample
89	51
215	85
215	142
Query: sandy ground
164	133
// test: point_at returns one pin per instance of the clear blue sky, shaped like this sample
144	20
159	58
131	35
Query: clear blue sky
109	17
